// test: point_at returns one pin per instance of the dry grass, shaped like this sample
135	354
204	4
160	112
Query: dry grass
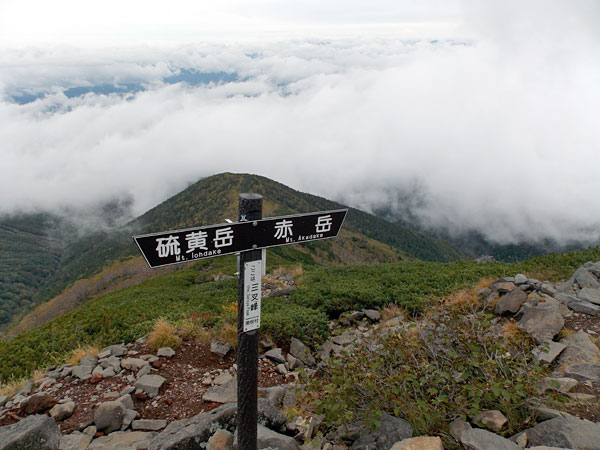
203	336
294	271
511	332
391	311
163	334
186	330
11	387
80	352
228	333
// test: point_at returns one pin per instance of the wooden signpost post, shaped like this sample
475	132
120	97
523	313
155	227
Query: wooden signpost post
247	237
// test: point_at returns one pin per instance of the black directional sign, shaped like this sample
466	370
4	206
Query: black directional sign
178	246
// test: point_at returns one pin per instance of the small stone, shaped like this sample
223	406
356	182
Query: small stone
220	348
127	401
503	287
561	384
276	355
520	279
96	378
133	363
222	378
419	443
37	403
109	416
372	314
166	352
221	440
148	424
144	371
493	420
63	410
548	351
150	384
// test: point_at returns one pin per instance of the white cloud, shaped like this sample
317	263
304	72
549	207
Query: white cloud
499	136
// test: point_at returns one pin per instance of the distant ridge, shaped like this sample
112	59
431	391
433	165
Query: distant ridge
365	238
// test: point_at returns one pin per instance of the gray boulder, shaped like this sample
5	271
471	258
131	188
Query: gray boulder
584	307
123	440
585	279
166	352
580	349
391	430
520	279
225	393
269	438
511	302
220	348
568	432
548	351
478	439
275	355
583	371
190	433
62	410
38	432
269	416
150	384
301	351
372	314
109	416
590	295
542	322
148	424
133	363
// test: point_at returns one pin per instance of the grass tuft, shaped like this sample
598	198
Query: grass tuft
163	334
80	352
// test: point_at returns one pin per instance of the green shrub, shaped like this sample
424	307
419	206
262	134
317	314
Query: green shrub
456	366
283	320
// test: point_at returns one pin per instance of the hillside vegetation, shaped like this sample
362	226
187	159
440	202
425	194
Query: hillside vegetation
35	271
30	256
324	292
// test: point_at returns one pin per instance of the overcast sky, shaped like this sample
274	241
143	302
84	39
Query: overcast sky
475	114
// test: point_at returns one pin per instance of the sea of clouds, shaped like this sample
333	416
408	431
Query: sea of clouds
494	130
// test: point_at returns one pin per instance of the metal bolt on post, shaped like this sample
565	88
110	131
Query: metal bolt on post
250	208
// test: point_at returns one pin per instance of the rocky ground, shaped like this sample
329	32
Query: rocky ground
127	397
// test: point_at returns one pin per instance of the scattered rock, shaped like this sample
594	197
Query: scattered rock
226	393
133	363
560	384
580	348
148	424
372	314
276	355
585	279
493	420
166	352
123	440
583	371
391	430
511	302
189	433
150	384
37	403
419	443
590	295
221	440
568	432
37	432
109	416
269	438
222	378
548	351
62	410
503	287
520	279
301	351
478	439
542	322
220	348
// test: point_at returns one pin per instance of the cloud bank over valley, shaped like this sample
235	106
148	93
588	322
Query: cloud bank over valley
493	130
